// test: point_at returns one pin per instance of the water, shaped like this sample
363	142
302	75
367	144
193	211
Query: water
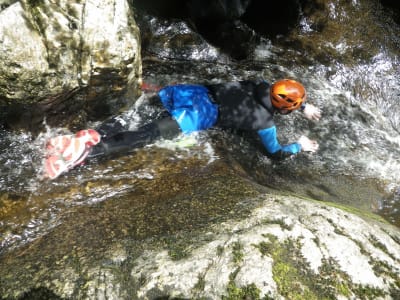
359	134
31	206
349	156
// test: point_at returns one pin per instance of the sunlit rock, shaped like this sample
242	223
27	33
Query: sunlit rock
66	57
286	248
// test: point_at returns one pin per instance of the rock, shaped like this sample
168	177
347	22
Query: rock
235	27
64	58
286	248
6	3
174	40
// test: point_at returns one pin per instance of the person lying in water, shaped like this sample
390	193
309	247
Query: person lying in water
244	105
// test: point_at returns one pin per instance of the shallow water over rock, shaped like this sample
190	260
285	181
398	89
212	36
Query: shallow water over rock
80	235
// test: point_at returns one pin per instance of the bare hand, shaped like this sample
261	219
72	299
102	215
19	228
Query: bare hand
312	112
307	144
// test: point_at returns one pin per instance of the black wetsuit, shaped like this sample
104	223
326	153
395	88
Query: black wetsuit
243	105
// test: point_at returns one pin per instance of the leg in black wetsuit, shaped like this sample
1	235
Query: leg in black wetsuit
125	141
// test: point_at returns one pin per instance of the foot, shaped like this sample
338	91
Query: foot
67	151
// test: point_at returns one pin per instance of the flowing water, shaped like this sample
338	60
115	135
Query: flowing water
358	162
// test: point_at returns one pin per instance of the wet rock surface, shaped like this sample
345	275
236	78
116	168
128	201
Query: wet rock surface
159	224
232	26
205	235
193	229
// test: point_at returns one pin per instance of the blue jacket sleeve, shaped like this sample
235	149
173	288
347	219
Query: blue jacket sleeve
271	144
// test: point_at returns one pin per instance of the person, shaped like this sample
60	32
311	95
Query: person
248	105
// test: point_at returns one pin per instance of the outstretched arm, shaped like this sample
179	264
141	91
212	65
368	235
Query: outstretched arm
271	144
277	151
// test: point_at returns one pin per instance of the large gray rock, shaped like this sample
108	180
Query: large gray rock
287	248
86	52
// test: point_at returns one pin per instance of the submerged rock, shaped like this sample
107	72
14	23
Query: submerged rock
65	58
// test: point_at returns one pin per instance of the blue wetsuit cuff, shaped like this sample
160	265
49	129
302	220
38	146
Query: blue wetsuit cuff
271	144
292	148
269	139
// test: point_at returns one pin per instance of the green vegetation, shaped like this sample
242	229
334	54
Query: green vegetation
248	292
280	222
288	271
35	3
350	209
237	252
295	280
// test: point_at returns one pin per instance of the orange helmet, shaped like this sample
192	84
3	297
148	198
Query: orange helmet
287	94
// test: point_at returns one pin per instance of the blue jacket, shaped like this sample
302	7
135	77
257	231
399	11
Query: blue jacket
243	105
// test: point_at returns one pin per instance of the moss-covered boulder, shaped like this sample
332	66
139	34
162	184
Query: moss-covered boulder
66	60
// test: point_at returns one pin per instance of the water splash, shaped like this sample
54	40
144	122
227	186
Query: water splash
18	156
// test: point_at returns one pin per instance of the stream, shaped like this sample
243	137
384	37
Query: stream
359	135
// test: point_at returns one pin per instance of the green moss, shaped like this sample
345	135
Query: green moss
336	228
287	271
250	291
35	3
292	275
367	292
280	222
177	248
72	12
352	210
295	280
380	268
200	284
220	250
237	252
239	293
332	281
343	289
290	283
383	269
379	245
395	238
